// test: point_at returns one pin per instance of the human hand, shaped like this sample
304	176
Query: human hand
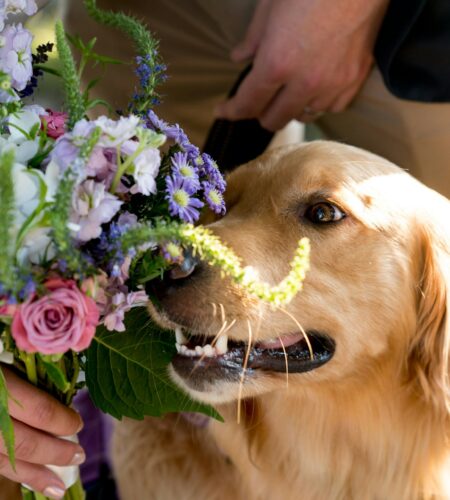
309	56
38	419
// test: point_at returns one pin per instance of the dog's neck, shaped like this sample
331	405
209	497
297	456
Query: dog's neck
356	436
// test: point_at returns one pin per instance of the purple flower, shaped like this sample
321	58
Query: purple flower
184	169
173	132
92	206
181	202
118	305
214	198
209	169
15	55
64	152
155	123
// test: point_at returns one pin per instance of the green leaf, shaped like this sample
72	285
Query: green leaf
46	69
126	373
6	425
56	375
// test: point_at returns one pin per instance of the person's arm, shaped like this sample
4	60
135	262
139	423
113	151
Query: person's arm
309	56
38	419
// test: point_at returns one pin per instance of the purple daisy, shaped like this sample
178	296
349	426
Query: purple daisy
184	169
210	170
155	123
181	201
214	198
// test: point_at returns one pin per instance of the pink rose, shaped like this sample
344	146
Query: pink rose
55	123
62	320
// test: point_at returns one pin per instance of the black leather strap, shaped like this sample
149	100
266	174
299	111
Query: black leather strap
233	143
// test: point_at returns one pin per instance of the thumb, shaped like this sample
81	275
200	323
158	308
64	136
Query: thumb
247	48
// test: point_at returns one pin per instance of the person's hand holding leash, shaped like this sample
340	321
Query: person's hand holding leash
38	419
309	56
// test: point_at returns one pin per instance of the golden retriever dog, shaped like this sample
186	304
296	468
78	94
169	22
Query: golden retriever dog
367	416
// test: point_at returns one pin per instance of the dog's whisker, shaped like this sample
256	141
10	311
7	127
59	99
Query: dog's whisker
301	329
223	330
285	360
222	312
244	369
214	307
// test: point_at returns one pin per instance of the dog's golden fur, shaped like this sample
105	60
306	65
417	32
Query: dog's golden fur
373	423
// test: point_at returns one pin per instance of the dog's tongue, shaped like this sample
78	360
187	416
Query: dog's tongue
281	342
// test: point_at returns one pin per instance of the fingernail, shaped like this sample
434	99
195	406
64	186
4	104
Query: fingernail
54	492
78	458
80	427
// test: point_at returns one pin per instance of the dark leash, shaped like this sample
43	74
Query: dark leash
233	143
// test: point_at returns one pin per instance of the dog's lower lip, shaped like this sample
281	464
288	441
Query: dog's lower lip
295	358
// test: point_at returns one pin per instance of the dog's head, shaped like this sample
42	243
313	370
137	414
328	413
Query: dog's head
376	292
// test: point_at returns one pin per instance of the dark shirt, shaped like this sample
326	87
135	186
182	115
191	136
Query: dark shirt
413	49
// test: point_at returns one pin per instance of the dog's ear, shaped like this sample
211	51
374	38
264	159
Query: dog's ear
429	355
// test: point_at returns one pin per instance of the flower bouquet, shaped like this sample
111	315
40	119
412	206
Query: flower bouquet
91	211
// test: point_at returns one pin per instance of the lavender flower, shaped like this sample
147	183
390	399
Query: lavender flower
214	198
184	169
155	123
209	169
173	132
181	202
92	206
119	304
8	7
15	55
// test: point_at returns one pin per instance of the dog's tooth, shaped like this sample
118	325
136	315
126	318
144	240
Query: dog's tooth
181	339
199	350
209	350
178	347
222	344
183	349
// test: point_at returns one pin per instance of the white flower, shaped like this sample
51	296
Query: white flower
5	357
146	168
23	122
92	207
29	184
115	132
23	126
37	246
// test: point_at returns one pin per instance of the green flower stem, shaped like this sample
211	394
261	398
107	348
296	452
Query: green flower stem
76	492
30	367
209	248
76	371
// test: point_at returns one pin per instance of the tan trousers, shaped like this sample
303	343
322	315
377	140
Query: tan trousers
196	38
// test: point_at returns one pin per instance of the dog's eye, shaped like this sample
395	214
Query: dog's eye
323	213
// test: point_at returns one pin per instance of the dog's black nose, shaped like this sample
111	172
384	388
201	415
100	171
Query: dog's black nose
185	269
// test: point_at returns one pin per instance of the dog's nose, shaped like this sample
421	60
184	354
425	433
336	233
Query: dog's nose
185	269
